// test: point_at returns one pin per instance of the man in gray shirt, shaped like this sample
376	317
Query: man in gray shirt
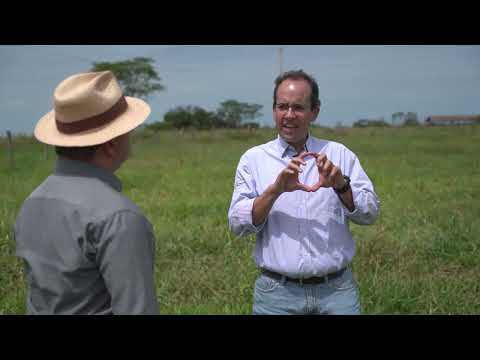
87	249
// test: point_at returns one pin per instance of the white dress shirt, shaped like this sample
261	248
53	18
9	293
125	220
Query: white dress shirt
305	234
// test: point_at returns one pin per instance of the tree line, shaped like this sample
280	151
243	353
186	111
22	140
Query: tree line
230	114
138	78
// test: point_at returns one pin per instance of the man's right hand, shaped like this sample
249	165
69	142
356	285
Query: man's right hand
287	180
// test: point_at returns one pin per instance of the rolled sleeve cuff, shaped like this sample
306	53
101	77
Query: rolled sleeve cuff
242	222
353	213
366	209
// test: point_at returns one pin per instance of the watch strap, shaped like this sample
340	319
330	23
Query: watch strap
345	188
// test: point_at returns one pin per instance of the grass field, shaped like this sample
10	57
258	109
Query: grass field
421	257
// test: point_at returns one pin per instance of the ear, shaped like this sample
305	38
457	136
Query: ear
109	148
315	114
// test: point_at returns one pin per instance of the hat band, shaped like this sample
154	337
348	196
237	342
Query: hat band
94	121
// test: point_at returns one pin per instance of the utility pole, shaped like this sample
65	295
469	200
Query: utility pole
280	59
10	149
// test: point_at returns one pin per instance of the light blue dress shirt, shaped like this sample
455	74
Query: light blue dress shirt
305	234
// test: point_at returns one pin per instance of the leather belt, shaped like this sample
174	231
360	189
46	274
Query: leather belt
310	280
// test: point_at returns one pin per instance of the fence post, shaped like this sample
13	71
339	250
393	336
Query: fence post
10	149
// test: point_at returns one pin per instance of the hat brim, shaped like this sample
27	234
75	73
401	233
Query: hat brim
137	112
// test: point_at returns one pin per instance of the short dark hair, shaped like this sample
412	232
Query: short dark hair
299	75
82	153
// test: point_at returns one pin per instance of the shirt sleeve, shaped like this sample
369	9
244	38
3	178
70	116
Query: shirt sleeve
125	255
367	204
244	194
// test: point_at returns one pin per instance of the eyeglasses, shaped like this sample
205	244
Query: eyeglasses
296	108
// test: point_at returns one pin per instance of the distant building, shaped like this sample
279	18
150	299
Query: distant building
398	119
404	118
362	123
452	120
370	122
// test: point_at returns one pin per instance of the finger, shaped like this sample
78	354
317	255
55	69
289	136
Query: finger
306	153
299	161
294	167
303	187
333	174
316	186
327	168
321	158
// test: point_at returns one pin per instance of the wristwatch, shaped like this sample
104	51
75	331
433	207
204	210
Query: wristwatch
345	188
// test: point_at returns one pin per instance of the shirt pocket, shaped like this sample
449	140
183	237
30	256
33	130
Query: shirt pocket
337	214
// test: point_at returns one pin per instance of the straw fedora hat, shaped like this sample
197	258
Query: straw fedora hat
90	109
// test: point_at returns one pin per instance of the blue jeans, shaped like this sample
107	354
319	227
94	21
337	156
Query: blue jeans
339	296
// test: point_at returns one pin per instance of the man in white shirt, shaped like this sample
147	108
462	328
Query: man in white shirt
297	193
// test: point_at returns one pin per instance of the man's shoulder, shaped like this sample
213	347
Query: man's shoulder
88	194
321	145
259	150
107	200
336	145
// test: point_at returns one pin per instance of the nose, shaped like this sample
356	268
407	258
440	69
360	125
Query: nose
290	113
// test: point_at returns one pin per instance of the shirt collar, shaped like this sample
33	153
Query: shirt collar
69	167
285	148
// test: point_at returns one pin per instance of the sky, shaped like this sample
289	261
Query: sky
355	81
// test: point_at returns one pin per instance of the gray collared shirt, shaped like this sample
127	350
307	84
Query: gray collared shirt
87	249
305	234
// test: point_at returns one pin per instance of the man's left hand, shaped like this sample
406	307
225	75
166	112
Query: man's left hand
329	174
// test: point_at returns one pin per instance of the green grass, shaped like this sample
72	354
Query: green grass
421	257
